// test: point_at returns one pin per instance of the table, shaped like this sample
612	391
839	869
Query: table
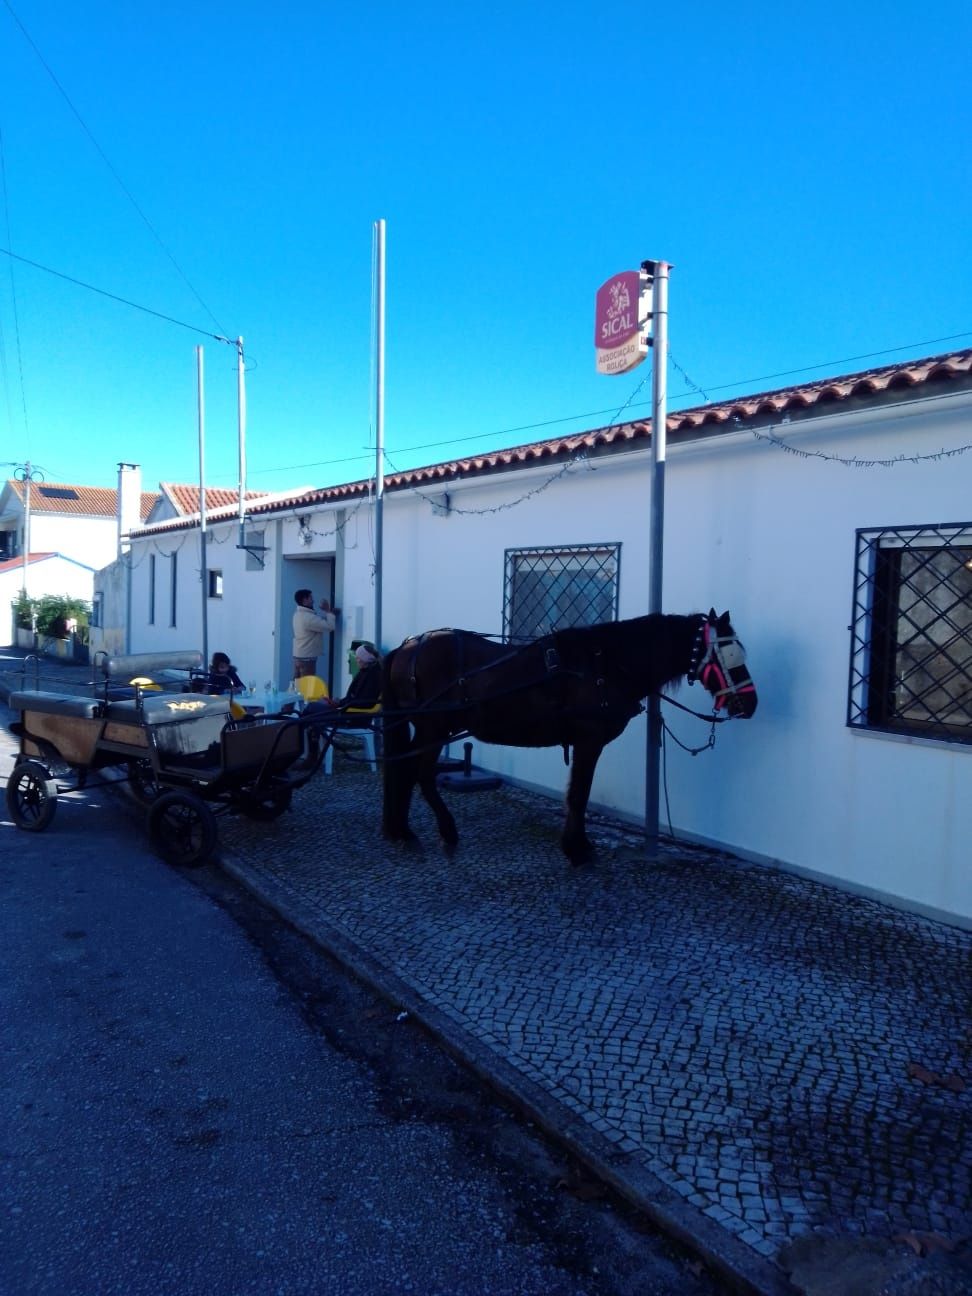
267	703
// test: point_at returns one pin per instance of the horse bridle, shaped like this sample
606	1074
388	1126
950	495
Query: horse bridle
720	663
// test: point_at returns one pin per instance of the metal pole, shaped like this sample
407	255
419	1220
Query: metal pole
26	521
379	420
241	428
659	416
203	556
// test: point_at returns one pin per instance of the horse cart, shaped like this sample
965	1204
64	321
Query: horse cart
185	755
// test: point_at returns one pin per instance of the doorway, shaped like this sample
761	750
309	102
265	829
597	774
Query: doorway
317	575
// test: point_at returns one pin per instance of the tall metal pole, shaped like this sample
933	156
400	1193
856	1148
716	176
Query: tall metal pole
27	479
241	428
379	419
203	555
659	417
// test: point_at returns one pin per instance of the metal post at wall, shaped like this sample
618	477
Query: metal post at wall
27	481
659	270
203	555
379	419
241	430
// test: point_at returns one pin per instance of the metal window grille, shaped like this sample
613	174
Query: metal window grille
911	637
549	589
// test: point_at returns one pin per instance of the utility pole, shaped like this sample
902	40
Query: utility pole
27	474
379	419
203	556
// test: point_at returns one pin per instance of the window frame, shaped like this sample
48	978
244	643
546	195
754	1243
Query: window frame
607	555
151	590
214	577
876	648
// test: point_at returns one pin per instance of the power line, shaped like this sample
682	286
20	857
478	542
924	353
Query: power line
104	157
219	337
571	418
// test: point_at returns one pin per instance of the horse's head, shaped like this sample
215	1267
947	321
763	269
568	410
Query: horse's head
719	661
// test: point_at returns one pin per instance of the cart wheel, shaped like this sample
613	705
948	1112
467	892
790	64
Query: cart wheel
182	828
270	806
31	796
141	779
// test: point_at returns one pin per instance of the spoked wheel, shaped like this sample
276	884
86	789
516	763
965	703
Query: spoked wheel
141	779
182	829
31	796
269	806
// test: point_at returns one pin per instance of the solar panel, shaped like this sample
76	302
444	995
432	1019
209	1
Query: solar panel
57	492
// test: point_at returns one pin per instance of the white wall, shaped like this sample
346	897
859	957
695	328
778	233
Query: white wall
93	541
766	534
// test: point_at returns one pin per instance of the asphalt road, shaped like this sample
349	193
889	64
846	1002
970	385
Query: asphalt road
194	1100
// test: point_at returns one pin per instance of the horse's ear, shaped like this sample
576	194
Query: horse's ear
712	616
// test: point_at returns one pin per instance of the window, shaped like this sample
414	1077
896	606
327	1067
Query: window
548	589
215	583
173	573
97	606
911	646
151	590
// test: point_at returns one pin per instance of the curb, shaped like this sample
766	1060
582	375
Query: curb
731	1259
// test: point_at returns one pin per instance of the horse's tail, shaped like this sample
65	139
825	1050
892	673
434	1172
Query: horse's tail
396	738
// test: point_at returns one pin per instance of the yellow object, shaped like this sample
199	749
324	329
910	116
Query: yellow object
372	710
312	688
143	682
236	711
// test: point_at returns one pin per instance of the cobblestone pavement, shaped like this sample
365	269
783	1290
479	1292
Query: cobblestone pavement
768	1057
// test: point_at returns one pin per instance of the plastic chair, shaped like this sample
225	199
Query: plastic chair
145	684
366	732
312	688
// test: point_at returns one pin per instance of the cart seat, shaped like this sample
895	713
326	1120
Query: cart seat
148	664
62	704
166	708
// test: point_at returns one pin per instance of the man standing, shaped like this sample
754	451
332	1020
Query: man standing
309	631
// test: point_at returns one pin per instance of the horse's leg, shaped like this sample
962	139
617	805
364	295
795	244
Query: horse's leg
574	840
426	770
398	772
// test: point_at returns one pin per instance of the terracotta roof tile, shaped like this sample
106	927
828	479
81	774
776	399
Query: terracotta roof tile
11	564
951	367
186	498
78	501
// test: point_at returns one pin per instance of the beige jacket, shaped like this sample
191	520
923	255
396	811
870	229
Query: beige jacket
309	630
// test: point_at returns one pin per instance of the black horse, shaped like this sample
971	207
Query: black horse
575	688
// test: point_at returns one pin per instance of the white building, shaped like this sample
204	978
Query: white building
78	524
833	521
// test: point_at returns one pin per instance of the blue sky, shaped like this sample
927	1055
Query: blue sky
805	169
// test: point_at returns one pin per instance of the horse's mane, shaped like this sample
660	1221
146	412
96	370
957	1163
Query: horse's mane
627	645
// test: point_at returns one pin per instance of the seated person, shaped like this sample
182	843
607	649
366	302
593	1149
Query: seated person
364	692
222	677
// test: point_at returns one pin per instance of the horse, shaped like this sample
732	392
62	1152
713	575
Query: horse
574	688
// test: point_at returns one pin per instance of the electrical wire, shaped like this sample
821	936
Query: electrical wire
170	319
104	157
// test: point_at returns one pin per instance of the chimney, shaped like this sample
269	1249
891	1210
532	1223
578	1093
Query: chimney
129	502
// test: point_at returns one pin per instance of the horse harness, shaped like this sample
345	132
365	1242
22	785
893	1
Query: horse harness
718	660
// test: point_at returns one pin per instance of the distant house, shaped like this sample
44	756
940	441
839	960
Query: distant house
832	518
48	573
76	524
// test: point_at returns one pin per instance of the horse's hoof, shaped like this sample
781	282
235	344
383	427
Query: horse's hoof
578	856
403	835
